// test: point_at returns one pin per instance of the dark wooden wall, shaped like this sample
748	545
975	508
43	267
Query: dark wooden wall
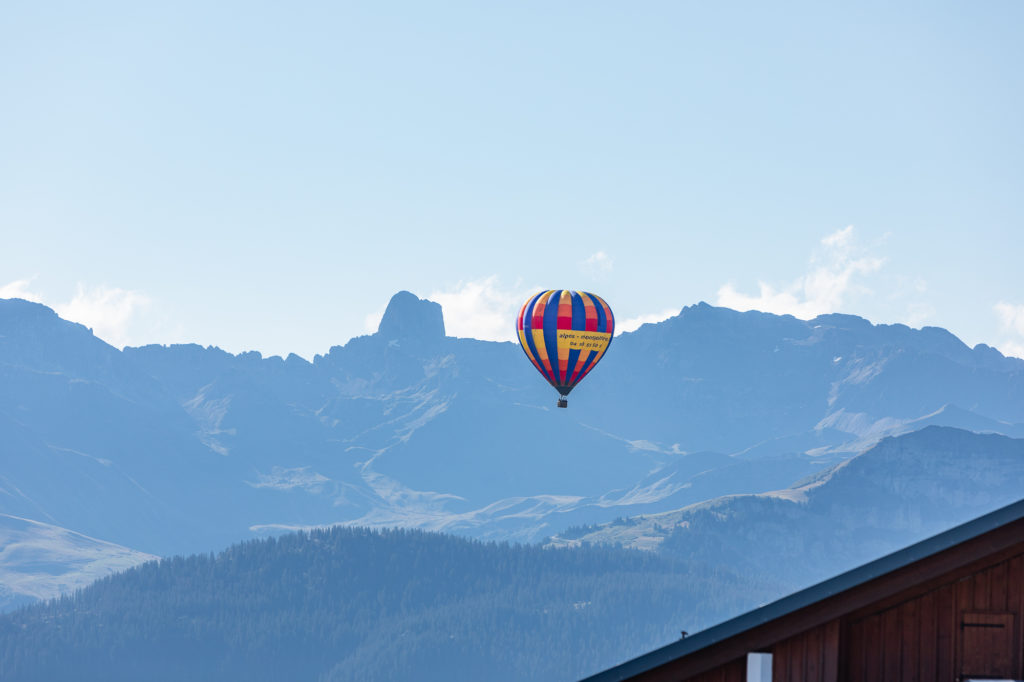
911	641
733	671
970	626
811	656
967	623
989	606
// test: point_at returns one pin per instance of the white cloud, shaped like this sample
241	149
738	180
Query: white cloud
599	263
1011	317
121	317
372	321
482	309
1011	322
633	323
112	313
19	289
1012	348
835	272
108	311
840	239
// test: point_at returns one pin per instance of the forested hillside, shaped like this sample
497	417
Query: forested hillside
354	604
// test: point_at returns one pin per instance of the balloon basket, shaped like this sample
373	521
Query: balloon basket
562	402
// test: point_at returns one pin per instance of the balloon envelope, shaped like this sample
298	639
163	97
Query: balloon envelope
565	333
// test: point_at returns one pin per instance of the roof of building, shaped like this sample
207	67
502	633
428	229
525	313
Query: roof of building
833	587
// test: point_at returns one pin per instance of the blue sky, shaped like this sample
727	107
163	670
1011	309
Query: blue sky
266	175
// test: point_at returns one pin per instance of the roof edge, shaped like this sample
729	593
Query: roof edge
826	589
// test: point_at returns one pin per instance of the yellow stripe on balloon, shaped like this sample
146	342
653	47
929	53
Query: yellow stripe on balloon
522	340
542	351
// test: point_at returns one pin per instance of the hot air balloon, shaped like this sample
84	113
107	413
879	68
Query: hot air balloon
565	333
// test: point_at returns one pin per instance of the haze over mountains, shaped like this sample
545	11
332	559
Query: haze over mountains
179	449
352	604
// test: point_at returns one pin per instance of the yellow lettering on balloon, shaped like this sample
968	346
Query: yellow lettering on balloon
570	339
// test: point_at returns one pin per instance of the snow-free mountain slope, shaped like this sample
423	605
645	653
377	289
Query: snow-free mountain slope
899	491
716	379
39	561
181	448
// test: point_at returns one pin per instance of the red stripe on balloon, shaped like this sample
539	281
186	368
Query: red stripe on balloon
565	310
590	310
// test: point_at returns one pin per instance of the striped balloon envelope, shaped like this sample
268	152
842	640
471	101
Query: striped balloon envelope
565	333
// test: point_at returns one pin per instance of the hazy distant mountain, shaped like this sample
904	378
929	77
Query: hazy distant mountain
354	604
183	448
902	490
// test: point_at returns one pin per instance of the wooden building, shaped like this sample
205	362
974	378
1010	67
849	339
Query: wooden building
947	609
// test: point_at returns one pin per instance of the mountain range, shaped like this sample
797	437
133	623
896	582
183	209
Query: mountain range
897	492
178	449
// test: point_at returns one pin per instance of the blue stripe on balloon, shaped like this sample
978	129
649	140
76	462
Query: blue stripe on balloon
602	319
579	314
551	333
574	356
579	323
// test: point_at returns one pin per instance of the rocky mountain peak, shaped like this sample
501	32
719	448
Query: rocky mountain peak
408	317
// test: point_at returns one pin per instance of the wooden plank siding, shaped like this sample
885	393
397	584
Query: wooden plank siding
733	671
989	611
921	639
811	656
903	642
917	639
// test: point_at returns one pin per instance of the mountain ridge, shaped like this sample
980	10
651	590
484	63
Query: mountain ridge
899	491
171	449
